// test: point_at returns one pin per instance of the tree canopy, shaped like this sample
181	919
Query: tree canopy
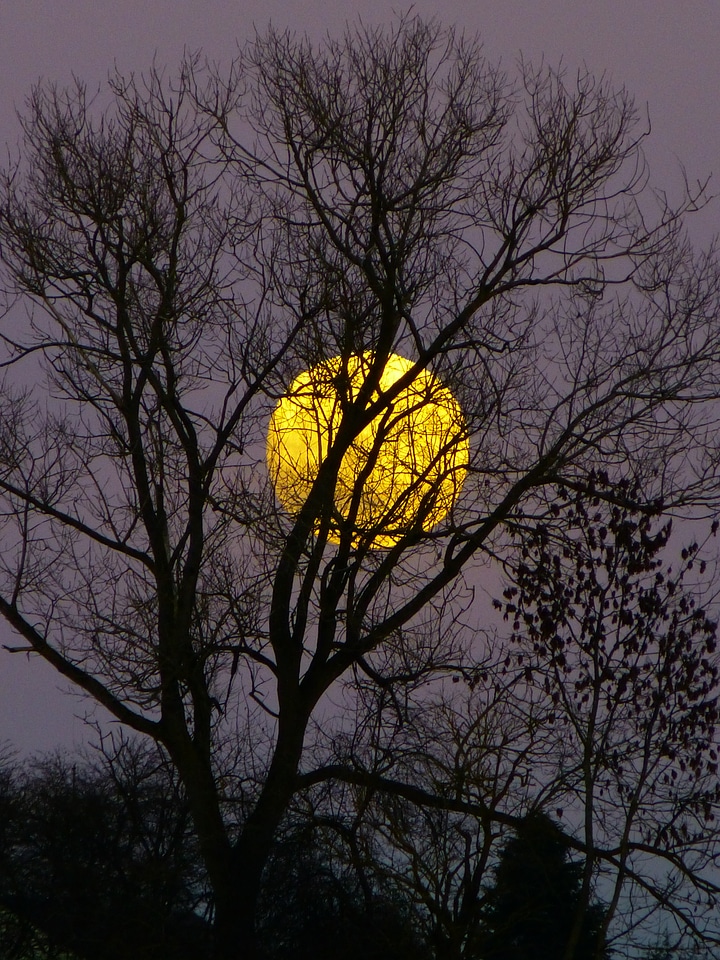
535	910
175	254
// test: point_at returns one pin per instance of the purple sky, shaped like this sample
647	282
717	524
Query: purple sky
663	51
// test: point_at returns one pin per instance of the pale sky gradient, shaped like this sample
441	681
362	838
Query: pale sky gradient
664	51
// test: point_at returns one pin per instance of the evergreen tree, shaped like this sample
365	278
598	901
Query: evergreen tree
531	910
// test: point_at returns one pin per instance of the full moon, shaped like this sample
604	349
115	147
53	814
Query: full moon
407	464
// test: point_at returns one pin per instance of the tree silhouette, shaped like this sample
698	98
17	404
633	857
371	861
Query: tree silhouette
531	911
600	704
176	256
661	950
613	640
100	861
312	908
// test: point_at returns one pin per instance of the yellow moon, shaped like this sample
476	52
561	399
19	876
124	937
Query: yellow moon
407	464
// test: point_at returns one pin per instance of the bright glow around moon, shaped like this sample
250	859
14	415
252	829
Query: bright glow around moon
407	464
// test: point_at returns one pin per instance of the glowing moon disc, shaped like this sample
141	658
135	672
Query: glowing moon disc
407	465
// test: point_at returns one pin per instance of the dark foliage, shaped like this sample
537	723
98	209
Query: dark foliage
99	862
532	908
314	910
103	866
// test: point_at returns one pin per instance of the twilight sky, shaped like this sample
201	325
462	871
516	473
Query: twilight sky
663	51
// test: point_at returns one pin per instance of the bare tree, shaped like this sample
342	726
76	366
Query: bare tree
186	252
600	706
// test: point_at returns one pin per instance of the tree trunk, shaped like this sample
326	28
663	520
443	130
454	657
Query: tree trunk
235	928
234	931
